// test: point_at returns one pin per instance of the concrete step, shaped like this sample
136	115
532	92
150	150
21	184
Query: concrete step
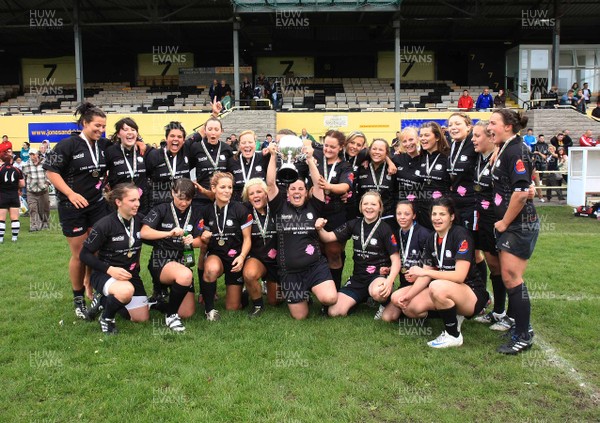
551	121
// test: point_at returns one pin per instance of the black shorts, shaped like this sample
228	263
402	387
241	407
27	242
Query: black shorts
231	278
484	237
295	287
158	260
76	222
272	269
358	290
482	299
99	279
518	240
9	200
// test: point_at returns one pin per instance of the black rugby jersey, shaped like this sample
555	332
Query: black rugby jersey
9	179
110	240
482	183
459	246
119	172
369	260
461	167
433	175
383	183
407	176
71	159
219	153
159	175
340	174
512	173
416	248
263	248
237	219
161	218
298	241
256	167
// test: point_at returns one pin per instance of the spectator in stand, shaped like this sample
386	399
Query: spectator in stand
558	140
245	92
37	192
575	86
552	94
18	163
567	141
587	93
540	154
563	163
567	98
485	100
596	111
500	99
306	136
235	143
221	90
212	90
25	152
579	102
44	148
587	140
227	100
5	145
465	101
530	138
268	141
553	179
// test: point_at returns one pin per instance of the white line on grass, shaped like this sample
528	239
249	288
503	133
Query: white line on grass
563	364
549	295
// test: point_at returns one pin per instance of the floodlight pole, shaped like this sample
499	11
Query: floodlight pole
556	42
397	67
78	55
236	62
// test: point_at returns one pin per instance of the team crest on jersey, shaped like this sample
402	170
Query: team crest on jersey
229	222
373	241
258	168
309	215
448	254
141	159
520	167
464	247
438	167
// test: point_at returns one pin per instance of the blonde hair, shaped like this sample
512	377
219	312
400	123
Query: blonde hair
405	132
247	132
220	175
250	183
374	194
484	125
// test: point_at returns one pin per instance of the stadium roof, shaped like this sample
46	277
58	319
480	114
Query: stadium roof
343	25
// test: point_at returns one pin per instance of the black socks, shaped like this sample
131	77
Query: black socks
450	320
520	306
499	294
178	293
112	307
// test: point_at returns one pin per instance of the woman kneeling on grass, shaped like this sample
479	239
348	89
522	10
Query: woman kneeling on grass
172	226
116	268
375	247
448	282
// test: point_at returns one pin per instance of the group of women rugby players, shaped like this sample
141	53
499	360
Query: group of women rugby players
433	213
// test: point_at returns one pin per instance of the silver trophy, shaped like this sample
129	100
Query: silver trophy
290	150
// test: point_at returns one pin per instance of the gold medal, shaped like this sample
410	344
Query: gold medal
477	188
403	270
129	253
221	242
95	173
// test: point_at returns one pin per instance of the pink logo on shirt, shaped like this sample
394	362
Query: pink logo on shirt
371	269
327	199
99	185
349	194
461	191
140	192
132	266
232	253
436	195
310	249
485	204
498	199
272	253
411	197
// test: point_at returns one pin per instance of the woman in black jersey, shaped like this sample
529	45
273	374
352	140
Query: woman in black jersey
227	230
125	162
411	244
408	163
355	154
165	165
461	167
336	181
517	225
210	156
448	281
262	260
434	181
301	266
375	176
112	250
375	246
11	180
486	218
76	167
171	226
247	163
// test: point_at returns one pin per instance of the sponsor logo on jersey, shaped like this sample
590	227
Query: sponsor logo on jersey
464	247
79	156
118	238
520	167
